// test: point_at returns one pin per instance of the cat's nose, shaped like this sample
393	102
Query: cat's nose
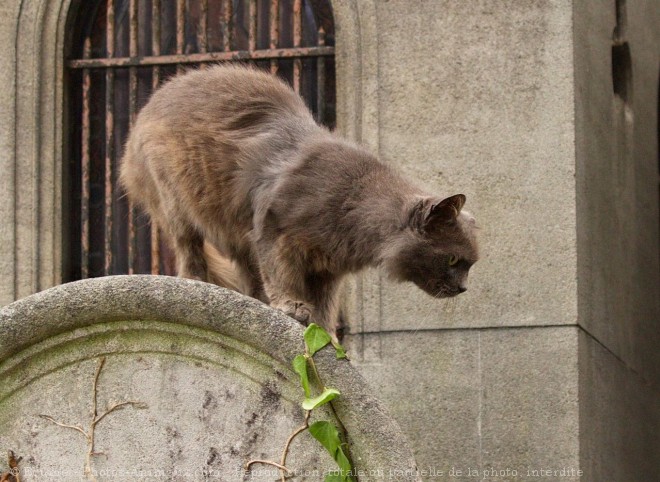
462	289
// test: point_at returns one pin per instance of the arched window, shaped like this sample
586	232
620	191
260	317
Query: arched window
120	50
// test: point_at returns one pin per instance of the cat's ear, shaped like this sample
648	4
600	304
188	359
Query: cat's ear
431	213
447	209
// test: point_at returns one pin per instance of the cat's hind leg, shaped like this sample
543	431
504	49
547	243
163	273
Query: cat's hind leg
251	275
223	271
189	250
186	241
233	268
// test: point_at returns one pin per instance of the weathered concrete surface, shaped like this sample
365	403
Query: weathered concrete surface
617	159
618	233
212	366
477	97
619	418
487	400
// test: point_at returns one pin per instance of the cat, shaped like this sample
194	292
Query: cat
231	164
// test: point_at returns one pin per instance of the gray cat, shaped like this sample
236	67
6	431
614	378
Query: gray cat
230	163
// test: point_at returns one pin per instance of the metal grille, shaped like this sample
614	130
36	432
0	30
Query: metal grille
123	49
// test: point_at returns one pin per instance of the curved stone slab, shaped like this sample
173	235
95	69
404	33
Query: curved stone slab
209	371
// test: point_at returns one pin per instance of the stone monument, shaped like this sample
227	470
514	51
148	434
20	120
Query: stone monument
160	378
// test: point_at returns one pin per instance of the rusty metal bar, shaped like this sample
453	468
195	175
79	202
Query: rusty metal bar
252	27
85	166
297	42
136	58
202	33
109	136
133	28
266	54
274	31
155	29
155	248
320	80
180	29
155	80
228	24
155	42
132	112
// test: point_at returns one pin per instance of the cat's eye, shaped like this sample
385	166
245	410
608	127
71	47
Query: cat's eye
453	260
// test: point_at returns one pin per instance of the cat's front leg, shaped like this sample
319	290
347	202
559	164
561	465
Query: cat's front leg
283	280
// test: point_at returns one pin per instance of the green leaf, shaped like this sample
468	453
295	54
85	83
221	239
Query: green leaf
300	367
343	462
316	338
327	395
328	435
341	353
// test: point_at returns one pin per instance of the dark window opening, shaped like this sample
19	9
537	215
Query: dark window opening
622	72
621	59
119	51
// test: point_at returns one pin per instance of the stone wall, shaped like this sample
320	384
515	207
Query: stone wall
477	97
616	123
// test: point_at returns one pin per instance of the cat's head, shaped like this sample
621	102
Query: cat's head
435	247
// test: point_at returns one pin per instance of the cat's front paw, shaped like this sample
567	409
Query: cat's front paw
297	310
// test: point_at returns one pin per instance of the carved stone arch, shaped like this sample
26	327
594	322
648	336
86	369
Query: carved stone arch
33	189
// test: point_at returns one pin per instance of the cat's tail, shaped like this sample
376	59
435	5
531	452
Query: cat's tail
223	272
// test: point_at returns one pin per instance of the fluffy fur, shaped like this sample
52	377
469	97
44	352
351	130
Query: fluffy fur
254	195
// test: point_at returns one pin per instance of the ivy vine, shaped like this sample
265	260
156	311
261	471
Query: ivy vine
332	437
